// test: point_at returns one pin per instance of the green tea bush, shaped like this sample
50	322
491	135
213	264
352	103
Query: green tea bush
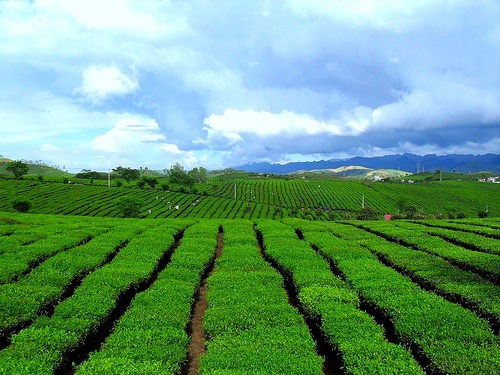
22	204
129	206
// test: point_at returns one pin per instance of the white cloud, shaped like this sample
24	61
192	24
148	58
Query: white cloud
474	148
126	16
395	15
171	148
129	134
99	83
440	107
233	123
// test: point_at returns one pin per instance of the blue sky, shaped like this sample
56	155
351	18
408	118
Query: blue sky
97	84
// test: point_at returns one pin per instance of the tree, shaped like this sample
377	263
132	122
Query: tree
127	174
367	213
18	168
199	174
401	203
129	206
86	173
22	204
177	175
151	181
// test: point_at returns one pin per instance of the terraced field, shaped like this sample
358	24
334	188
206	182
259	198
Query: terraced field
186	296
260	199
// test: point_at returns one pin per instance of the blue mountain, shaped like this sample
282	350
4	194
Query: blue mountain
405	162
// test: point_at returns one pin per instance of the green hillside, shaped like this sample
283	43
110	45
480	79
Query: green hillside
262	197
35	170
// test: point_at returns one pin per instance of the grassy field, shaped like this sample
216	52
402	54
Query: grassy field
97	295
259	197
249	276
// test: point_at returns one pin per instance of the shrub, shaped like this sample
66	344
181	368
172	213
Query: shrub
129	206
22	204
367	213
482	214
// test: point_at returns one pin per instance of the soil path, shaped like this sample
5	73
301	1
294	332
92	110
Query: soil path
197	334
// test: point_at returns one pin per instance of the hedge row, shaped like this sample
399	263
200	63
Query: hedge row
432	271
486	264
42	347
454	339
351	331
151	336
468	240
22	301
250	326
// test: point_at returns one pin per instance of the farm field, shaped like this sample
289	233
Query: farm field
100	295
261	198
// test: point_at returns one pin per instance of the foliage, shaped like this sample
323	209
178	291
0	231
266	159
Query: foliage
132	273
339	200
18	168
320	293
151	181
86	173
178	175
417	315
482	214
22	204
127	174
199	174
129	206
367	213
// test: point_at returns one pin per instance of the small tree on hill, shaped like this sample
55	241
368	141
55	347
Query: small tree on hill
22	204
18	168
129	206
367	213
198	174
127	174
151	181
177	175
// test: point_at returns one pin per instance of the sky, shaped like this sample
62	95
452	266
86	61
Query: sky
218	83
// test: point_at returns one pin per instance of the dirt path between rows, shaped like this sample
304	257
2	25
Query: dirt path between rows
197	338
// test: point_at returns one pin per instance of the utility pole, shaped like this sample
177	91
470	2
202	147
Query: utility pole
235	190
109	177
363	201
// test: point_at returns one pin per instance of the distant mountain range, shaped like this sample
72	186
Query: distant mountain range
404	162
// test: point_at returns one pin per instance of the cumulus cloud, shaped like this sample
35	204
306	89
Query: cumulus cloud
234	123
132	137
100	83
129	134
